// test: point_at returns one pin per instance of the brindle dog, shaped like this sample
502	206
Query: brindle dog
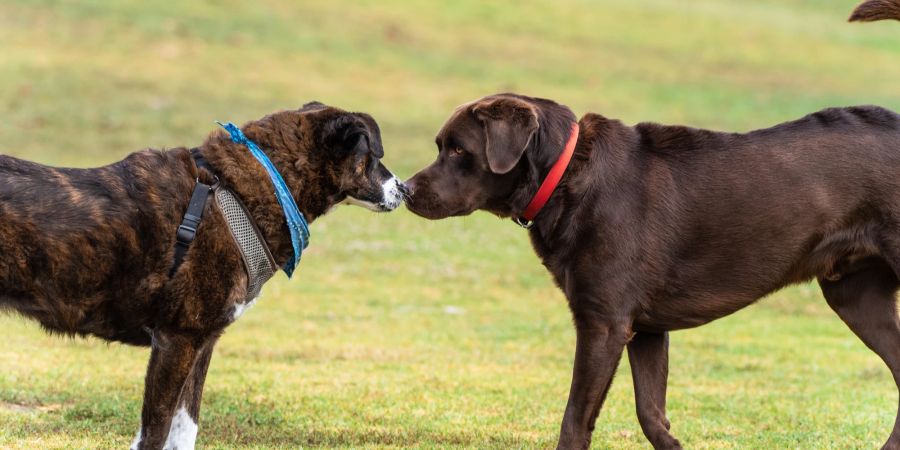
656	228
89	251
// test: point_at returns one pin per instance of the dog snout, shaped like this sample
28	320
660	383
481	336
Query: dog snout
405	189
409	187
393	194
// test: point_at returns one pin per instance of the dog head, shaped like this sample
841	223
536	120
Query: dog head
330	156
492	155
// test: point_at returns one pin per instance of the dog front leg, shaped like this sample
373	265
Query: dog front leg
648	354
185	423
598	348
171	360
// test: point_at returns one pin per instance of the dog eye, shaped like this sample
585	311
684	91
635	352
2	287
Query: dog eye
456	151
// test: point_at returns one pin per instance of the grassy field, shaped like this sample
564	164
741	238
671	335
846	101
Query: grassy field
402	333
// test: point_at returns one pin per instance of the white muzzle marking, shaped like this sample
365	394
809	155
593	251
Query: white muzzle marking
391	197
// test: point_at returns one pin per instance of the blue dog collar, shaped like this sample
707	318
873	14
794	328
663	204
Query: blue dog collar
296	223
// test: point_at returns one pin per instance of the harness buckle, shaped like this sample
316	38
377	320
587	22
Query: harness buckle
185	234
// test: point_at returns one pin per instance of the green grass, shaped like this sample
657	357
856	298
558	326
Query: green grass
402	333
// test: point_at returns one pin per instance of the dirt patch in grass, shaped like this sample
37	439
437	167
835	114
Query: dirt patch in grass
24	409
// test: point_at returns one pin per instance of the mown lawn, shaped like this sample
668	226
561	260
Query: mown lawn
402	333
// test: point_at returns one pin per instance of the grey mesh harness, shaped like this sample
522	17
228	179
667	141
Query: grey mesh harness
258	260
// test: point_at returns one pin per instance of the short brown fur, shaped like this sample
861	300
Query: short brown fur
655	228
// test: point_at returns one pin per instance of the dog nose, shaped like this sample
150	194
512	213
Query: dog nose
406	188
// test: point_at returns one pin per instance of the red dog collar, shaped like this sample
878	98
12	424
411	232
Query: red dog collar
550	183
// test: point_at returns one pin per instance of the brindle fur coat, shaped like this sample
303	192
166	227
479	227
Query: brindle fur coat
89	251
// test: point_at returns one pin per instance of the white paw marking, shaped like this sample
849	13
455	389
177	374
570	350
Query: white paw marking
241	308
391	197
137	440
182	432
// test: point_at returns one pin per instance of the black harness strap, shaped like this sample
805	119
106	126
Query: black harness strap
187	231
200	161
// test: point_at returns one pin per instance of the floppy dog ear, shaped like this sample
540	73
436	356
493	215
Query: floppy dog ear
509	125
374	135
348	134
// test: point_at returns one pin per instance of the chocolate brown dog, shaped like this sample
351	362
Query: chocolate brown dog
656	228
90	251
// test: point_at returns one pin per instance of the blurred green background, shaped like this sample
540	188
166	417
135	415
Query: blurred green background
402	333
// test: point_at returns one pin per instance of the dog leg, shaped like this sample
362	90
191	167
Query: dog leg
648	354
183	431
171	360
866	302
598	349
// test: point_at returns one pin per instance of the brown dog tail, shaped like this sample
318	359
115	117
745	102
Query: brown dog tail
872	10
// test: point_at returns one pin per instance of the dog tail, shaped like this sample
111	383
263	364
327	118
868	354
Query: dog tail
872	10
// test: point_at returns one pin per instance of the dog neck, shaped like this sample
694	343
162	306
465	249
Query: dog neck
596	166
552	179
239	171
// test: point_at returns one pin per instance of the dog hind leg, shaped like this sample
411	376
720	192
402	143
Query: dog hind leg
866	302
648	354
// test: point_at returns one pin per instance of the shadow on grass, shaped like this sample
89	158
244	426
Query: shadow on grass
247	423
243	423
360	436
